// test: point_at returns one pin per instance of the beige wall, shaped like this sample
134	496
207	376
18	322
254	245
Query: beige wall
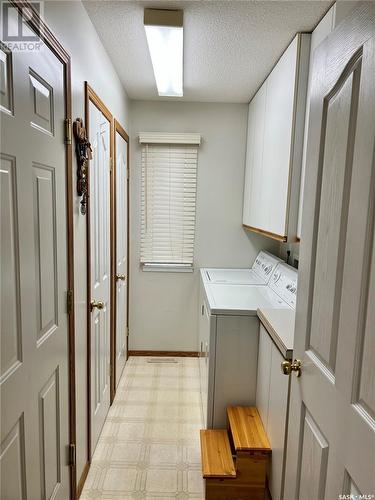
163	306
73	28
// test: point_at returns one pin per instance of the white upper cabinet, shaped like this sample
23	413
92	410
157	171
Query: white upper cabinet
323	29
274	147
254	152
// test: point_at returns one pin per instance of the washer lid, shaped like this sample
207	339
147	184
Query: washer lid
233	276
259	274
284	283
240	299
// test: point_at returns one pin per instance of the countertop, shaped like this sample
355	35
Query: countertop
279	323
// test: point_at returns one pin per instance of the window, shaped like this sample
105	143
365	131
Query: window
169	187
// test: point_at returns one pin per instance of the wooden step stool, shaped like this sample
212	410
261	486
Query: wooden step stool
252	449
217	463
243	478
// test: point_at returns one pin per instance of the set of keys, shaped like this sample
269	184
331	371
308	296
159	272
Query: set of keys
84	154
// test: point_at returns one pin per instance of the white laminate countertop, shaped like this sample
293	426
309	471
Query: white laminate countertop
279	323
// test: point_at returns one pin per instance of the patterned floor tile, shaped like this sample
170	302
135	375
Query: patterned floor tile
149	447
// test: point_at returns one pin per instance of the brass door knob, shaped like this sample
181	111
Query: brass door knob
96	305
120	277
287	367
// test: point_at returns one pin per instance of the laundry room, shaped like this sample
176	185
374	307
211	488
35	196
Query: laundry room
187	249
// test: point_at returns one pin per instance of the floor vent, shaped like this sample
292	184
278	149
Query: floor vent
162	360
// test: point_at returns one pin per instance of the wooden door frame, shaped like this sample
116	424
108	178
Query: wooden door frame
118	128
45	34
92	96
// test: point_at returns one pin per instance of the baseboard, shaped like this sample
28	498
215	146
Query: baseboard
83	479
180	354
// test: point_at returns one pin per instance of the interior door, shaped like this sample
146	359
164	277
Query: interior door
121	270
34	269
331	446
99	133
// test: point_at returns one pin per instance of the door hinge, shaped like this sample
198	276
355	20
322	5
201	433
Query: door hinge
68	131
127	174
72	455
69	301
111	164
127	331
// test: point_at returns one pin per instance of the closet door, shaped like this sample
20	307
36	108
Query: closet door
100	283
34	366
121	255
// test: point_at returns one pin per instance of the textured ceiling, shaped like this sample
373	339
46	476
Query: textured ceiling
229	46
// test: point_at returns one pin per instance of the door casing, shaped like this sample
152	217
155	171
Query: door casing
45	34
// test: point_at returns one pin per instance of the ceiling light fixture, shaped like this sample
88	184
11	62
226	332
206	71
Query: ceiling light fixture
164	32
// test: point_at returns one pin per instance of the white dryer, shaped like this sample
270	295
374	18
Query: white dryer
259	274
229	335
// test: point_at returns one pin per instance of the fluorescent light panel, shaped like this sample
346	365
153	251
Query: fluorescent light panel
164	32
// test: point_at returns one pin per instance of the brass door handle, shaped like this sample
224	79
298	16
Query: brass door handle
96	305
120	277
287	367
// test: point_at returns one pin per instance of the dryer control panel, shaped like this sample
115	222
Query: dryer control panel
264	265
284	283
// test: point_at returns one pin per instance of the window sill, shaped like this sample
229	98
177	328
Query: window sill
167	268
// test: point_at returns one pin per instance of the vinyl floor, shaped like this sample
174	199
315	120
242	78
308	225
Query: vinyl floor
149	446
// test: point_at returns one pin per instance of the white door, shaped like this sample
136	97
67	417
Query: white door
121	273
331	446
34	320
99	131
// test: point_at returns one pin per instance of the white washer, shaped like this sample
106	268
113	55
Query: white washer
229	335
259	274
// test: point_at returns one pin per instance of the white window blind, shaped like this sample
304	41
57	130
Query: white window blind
169	187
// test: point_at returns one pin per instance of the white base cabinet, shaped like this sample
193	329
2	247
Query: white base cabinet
206	324
272	401
228	359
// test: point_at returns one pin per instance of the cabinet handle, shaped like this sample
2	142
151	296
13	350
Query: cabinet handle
202	309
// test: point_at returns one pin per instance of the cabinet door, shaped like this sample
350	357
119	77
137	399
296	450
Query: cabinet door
206	357
277	423
264	374
252	216
249	167
235	364
200	325
204	341
277	140
272	402
323	29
